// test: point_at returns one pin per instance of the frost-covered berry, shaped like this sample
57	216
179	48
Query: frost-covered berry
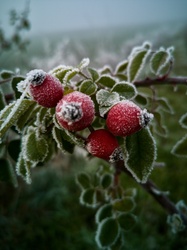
101	143
126	118
44	88
75	111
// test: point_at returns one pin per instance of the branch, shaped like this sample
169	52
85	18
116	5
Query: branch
161	81
157	194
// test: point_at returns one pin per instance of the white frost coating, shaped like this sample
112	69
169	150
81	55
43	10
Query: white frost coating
145	118
136	49
36	77
60	68
84	63
71	112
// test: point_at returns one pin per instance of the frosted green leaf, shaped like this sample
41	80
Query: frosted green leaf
159	126
107	81
84	63
23	168
14	83
183	121
121	67
106	98
69	136
136	64
107	232
70	74
106	70
126	204
36	147
62	143
83	180
141	99
7	173
88	87
127	221
28	115
106	180
164	104
88	198
125	90
140	154
176	223
2	100
104	110
60	71
10	114
103	212
180	148
158	61
6	74
93	73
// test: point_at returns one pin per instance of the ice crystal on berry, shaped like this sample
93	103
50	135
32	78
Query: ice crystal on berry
36	77
71	112
145	118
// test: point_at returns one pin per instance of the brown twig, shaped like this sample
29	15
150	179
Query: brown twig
163	81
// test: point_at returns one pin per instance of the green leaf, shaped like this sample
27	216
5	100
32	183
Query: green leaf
164	104
106	98
59	136
136	64
88	87
11	113
23	168
183	121
6	74
14	148
28	116
140	154
126	204
106	81
158	125
14	82
36	146
69	136
83	180
103	212
176	223
70	74
127	221
107	232
7	173
60	71
106	180
121	67
158	61
84	63
180	148
93	73
106	70
141	99
2	100
88	198
125	90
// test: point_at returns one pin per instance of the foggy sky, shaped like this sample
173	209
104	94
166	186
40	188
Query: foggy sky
63	15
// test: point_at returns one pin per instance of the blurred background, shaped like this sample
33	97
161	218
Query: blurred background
44	34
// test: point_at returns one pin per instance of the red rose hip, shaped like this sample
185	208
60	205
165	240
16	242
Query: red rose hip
126	118
102	144
44	88
75	111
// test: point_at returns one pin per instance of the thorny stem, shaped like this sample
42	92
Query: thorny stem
154	191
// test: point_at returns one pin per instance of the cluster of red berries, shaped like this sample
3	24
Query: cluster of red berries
75	111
